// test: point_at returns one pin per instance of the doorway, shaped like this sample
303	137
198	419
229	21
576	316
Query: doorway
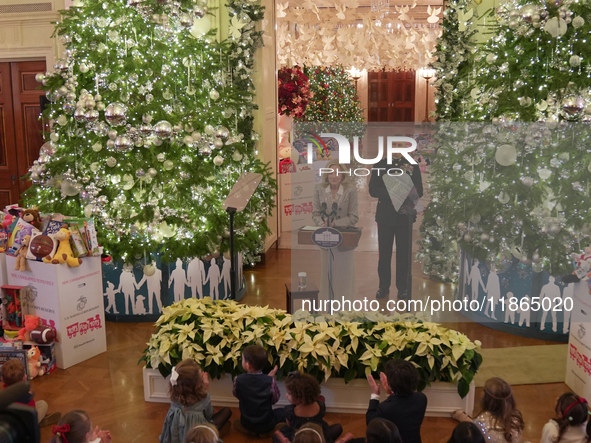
391	96
20	126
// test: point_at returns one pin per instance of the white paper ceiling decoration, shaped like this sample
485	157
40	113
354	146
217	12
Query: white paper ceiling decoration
398	38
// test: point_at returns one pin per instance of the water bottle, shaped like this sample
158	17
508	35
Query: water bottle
302	280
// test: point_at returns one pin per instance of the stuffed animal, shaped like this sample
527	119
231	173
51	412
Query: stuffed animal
8	220
21	255
33	364
64	252
32	217
583	267
31	322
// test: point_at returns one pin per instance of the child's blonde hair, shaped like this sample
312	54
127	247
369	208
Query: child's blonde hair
309	433
202	433
188	388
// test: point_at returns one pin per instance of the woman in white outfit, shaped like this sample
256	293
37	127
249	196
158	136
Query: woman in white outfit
337	188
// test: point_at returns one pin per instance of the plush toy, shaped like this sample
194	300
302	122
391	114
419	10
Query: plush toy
33	364
583	267
21	255
31	322
32	216
8	220
64	252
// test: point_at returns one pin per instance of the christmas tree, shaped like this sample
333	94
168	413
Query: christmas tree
151	127
334	100
519	187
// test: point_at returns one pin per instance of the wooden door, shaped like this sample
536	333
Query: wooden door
27	124
391	96
9	178
403	100
379	96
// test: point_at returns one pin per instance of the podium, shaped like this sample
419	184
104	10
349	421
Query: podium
351	238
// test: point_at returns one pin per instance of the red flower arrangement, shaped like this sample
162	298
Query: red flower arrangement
294	92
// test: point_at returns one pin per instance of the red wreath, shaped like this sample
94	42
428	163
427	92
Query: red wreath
294	92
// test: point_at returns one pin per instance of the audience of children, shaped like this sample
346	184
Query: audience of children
397	420
569	426
76	427
257	393
13	371
404	407
303	392
190	404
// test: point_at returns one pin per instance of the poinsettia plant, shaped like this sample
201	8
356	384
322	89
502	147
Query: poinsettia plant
293	92
348	345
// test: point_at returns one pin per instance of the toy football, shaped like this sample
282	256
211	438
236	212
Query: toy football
43	334
41	246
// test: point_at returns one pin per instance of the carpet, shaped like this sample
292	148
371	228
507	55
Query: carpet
524	365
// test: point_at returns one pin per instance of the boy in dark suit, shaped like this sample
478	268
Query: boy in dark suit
404	407
257	393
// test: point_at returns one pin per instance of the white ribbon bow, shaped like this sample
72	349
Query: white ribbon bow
174	376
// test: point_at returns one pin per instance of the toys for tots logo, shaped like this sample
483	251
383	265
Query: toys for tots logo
83	327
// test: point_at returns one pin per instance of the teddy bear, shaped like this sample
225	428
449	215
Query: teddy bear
31	322
21	254
64	252
33	363
32	217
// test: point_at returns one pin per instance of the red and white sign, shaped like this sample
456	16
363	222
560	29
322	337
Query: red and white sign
578	366
71	301
297	193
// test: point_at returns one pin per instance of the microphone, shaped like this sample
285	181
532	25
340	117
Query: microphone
333	214
323	213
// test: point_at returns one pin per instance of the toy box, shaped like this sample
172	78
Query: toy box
70	300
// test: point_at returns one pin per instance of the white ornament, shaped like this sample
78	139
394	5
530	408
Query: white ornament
555	27
544	173
149	270
218	160
506	155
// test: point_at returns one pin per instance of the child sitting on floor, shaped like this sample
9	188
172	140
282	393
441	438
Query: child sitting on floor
466	432
76	427
303	392
257	393
499	420
380	430
205	433
404	407
190	404
13	371
569	426
311	433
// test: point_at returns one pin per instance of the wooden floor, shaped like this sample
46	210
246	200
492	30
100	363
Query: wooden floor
109	387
